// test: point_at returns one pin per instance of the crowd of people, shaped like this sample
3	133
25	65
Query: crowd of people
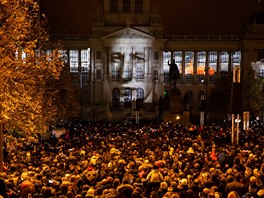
128	160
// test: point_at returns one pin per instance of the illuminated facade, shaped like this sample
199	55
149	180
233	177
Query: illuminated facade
126	58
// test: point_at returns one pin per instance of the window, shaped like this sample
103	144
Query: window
127	97
139	71
236	58
177	55
115	72
166	76
189	94
201	95
85	77
98	74
189	59
166	67
126	5
155	74
85	60
115	99
113	6
98	55
138	6
156	55
116	64
74	56
212	63
24	56
64	55
48	54
140	93
224	58
127	74
201	61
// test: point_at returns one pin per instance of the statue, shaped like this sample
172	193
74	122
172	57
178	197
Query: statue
174	73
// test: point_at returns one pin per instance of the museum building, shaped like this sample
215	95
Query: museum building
127	59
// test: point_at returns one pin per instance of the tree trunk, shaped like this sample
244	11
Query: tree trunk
1	148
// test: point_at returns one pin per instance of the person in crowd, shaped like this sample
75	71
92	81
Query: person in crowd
125	160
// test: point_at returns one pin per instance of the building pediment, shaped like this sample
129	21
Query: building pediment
128	33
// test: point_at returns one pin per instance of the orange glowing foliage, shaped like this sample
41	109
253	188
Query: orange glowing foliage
24	66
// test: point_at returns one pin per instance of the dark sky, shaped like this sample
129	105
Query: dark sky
178	16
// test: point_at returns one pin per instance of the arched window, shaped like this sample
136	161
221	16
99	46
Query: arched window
115	98
190	96
127	97
200	94
140	93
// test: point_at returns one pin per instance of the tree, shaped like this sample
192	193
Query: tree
253	92
25	67
66	100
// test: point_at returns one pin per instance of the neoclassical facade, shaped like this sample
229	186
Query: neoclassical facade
127	58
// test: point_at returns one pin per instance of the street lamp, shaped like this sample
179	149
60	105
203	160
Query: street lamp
81	86
206	91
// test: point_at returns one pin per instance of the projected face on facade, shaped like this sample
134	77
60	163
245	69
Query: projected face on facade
128	67
127	64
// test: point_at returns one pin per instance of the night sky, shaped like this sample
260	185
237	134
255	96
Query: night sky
178	16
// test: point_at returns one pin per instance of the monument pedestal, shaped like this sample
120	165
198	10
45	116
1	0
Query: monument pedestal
183	117
175	114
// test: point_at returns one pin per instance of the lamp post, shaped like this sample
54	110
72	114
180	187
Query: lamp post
81	86
94	87
206	92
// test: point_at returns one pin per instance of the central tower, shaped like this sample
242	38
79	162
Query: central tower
127	45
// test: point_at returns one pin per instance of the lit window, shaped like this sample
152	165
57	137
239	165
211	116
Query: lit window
139	71
140	93
74	55
63	55
201	61
127	97
236	58
178	60
224	58
166	67
189	59
212	63
85	60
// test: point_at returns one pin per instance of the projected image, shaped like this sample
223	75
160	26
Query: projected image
127	63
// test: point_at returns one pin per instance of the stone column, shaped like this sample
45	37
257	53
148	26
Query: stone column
183	68
195	68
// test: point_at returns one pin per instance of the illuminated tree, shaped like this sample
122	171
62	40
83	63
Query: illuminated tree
25	66
66	103
254	92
